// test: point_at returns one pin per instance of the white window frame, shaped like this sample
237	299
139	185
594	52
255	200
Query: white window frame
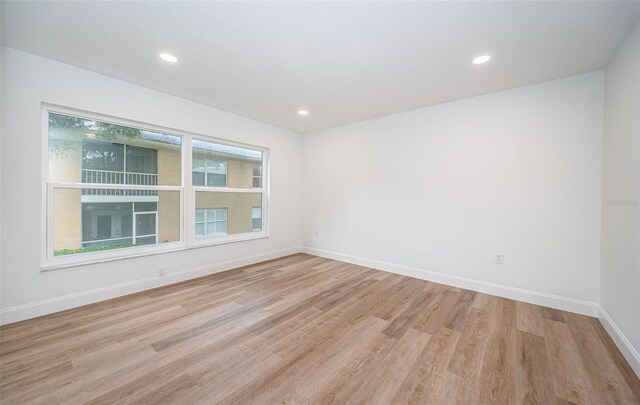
186	201
210	189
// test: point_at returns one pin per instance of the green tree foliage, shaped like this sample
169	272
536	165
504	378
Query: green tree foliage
79	126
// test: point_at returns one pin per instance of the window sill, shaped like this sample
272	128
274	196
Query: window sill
202	243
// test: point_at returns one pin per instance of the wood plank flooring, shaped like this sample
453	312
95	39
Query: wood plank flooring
308	330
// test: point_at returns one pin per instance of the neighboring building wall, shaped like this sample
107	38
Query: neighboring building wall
240	173
66	166
238	206
169	174
169	168
168	216
67	214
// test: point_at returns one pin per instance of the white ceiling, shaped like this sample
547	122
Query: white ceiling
343	61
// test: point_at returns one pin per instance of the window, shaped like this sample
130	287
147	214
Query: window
256	218
141	160
257	176
209	172
116	163
116	189
107	162
211	222
102	156
237	196
130	224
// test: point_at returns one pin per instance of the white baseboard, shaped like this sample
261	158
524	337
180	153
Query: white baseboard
625	346
520	294
44	307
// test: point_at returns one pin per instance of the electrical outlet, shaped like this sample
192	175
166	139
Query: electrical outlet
317	233
499	258
162	272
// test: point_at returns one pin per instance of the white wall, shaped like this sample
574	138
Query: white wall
620	280
29	80
435	192
1	216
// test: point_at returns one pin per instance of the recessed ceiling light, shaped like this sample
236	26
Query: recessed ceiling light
481	59
303	112
167	57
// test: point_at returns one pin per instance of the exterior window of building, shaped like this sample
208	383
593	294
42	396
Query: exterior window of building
115	163
116	189
209	172
102	156
256	218
257	176
211	222
107	224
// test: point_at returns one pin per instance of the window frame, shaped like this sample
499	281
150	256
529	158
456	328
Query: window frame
187	194
212	189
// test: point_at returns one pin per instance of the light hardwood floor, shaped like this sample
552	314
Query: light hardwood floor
307	330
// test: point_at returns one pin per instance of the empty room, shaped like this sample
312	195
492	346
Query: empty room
319	202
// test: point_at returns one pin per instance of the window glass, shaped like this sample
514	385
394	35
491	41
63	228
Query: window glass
216	180
101	155
256	217
90	151
220	228
146	206
217	165
146	228
97	229
227	212
142	160
200	230
83	224
199	215
198	178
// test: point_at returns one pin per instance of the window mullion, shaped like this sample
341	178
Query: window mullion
189	208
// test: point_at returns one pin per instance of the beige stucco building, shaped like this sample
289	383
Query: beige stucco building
86	218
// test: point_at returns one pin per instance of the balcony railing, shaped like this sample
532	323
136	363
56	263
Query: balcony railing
114	177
